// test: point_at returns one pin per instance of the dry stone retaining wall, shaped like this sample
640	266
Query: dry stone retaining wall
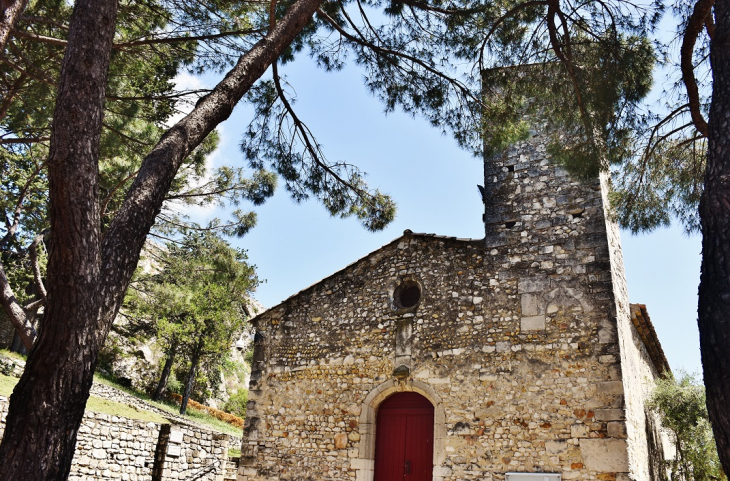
116	448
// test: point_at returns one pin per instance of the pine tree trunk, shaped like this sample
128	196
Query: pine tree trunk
88	274
714	292
165	374
48	402
10	11
191	376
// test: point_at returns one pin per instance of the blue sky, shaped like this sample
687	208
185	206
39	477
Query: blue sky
434	185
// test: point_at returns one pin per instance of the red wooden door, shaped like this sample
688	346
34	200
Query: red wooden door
404	439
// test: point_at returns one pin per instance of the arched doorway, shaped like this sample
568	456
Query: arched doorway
404	438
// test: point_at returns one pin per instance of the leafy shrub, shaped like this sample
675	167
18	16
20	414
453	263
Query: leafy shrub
681	406
174	385
236	404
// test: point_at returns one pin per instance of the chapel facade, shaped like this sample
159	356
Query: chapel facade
515	357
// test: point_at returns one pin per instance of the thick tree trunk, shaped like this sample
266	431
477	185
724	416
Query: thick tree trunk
191	376
165	376
10	10
714	292
87	276
48	403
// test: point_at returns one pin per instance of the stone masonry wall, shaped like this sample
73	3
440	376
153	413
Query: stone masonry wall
115	448
514	341
648	445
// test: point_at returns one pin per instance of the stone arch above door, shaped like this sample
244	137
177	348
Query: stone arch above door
365	463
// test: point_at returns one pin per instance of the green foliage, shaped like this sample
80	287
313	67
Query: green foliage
664	178
174	385
236	404
664	184
196	301
682	409
154	42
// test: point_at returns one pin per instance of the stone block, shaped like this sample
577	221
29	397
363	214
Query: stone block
340	441
534	323
176	437
609	414
533	284
610	387
606	335
616	430
532	305
578	431
173	450
556	447
607	455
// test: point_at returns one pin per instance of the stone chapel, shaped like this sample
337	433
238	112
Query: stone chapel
515	357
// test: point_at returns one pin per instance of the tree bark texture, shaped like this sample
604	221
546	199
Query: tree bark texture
10	10
714	292
88	274
48	403
165	376
191	376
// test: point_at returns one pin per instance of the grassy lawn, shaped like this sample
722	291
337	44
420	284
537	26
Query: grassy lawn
12	354
173	408
96	404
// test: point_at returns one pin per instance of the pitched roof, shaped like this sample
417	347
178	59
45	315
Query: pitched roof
641	321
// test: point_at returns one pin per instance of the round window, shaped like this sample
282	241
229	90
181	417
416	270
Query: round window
406	295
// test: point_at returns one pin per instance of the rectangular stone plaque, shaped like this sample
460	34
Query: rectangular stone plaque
174	450
533	476
176	437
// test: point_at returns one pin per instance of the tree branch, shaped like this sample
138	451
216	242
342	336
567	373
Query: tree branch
47	21
22	71
385	52
695	24
196	38
15	311
115	189
13	225
567	61
501	20
137	43
159	97
10	95
125	136
127	232
37	277
27	140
